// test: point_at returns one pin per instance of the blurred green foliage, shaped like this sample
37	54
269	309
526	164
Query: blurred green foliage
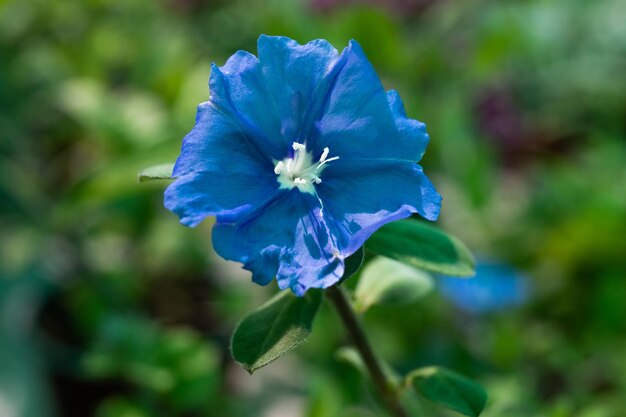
110	308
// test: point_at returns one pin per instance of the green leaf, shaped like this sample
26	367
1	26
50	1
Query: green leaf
353	263
352	357
274	329
385	281
450	389
157	172
423	246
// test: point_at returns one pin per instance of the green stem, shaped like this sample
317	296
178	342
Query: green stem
385	388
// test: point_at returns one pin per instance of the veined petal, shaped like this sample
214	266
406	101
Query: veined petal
359	120
361	195
214	143
239	90
287	239
293	73
218	172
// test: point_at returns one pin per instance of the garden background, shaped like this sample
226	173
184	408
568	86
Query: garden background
110	308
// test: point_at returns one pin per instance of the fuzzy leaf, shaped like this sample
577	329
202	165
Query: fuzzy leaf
450	389
423	246
156	172
385	281
274	329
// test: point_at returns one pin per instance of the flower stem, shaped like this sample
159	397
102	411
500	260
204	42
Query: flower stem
385	388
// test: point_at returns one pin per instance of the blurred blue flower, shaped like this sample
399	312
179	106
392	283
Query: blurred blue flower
301	155
496	286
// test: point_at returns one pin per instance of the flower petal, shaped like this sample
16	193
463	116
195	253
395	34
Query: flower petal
215	142
239	90
362	195
411	131
218	171
359	120
287	239
293	73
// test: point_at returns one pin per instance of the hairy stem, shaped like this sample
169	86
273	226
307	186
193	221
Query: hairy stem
386	390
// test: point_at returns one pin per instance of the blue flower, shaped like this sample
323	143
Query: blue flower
496	286
301	155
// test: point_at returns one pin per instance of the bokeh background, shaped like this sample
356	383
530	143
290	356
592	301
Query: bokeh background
110	308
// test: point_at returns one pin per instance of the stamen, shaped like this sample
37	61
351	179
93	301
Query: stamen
321	204
298	146
299	170
324	154
325	161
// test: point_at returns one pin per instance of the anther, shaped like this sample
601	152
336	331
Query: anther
324	154
298	146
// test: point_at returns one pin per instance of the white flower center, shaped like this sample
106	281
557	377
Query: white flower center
300	170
